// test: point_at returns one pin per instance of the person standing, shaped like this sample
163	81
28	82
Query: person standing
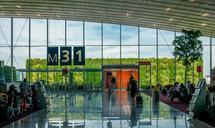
24	90
112	85
133	88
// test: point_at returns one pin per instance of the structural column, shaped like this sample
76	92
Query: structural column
29	62
139	56
157	76
211	54
12	50
47	36
175	60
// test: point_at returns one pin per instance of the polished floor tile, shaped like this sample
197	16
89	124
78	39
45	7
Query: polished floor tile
98	110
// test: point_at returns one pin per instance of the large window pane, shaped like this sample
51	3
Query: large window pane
21	32
129	35
74	33
21	56
213	41
206	61
92	33
38	61
166	65
93	56
5	53
38	52
111	55
178	33
111	34
205	40
38	32
213	54
129	54
147	36
5	31
57	32
165	37
93	60
147	53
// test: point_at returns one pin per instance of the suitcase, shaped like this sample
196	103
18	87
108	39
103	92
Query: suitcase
139	100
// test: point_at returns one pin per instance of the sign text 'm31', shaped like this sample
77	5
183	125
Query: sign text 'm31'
65	56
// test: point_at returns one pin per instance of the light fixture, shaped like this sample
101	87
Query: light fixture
19	14
127	14
18	6
171	19
58	16
38	14
168	9
204	24
154	25
205	14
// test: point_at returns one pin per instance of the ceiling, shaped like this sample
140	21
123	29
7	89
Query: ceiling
170	15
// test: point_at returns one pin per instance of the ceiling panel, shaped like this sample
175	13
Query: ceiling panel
163	14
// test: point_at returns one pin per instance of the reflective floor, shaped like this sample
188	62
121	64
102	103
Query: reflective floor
97	110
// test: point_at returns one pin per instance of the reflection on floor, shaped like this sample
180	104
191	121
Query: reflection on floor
97	110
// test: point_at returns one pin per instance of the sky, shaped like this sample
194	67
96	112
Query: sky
111	36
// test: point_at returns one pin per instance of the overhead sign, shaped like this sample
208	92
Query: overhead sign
79	56
52	56
65	56
145	63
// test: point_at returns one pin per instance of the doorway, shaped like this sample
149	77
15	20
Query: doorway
121	73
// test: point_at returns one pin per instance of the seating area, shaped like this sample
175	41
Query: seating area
180	96
15	104
182	92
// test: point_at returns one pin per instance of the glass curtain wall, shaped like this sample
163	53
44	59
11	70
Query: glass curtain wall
166	61
21	45
104	44
5	48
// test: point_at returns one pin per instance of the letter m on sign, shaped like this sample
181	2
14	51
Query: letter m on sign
52	56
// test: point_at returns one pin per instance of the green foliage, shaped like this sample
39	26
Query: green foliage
187	48
6	71
166	71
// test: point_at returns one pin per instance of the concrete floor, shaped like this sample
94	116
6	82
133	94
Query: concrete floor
97	110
